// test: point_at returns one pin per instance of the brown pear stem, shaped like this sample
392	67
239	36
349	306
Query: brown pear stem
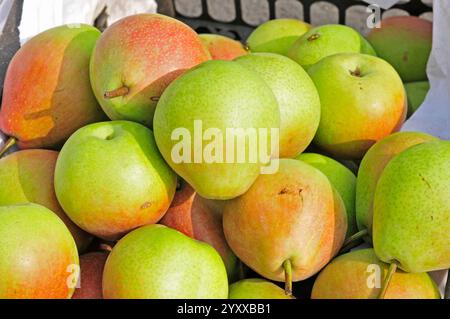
9	143
287	277
353	240
447	287
391	271
122	91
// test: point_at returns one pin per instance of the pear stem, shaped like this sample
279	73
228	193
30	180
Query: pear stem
117	92
391	271
353	240
447	287
287	277
9	143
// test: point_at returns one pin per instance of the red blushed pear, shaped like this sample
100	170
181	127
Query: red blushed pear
47	94
223	48
362	101
284	226
27	177
405	42
38	256
200	219
91	275
154	50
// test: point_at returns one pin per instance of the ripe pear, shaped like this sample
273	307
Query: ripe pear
362	100
372	167
221	47
276	36
28	177
129	78
342	179
110	179
155	261
201	114
405	42
200	219
47	94
411	220
284	226
38	256
327	40
91	276
255	288
359	274
416	93
297	98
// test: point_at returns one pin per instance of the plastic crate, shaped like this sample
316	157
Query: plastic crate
238	27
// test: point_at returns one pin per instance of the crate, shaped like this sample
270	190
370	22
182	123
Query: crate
209	16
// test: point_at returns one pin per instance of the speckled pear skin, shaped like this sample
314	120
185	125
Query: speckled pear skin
27	176
371	168
297	98
341	178
157	262
221	47
362	99
110	179
340	222
276	36
144	52
348	276
222	95
327	40
38	255
289	215
411	221
47	94
255	288
405	42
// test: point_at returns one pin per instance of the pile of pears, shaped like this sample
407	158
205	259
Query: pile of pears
97	203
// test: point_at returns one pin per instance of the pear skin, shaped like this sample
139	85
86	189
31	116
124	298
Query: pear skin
359	274
222	48
91	276
254	288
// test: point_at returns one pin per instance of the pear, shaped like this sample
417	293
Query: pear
411	224
200	219
38	256
47	94
136	58
155	261
91	275
28	177
327	40
208	118
255	288
371	168
297	98
341	178
359	274
110	179
276	36
416	93
221	47
284	226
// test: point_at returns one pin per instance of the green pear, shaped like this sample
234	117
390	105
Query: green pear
28	177
110	178
359	275
38	255
327	40
256	289
416	93
371	168
155	261
201	114
411	224
297	98
362	101
276	36
341	178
